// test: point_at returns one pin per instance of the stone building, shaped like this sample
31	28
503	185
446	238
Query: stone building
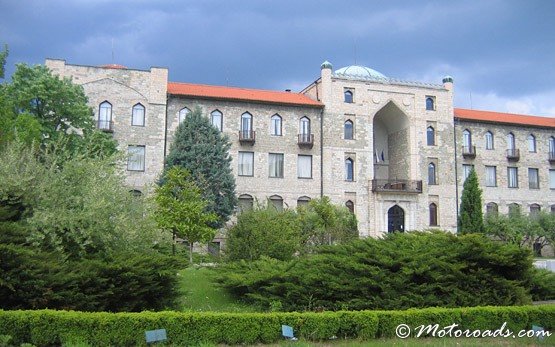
394	152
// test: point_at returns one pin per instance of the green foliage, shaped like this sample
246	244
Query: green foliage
471	218
48	327
264	231
397	272
204	151
181	209
543	285
3	57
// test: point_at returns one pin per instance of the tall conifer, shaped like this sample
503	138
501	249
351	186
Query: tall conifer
471	219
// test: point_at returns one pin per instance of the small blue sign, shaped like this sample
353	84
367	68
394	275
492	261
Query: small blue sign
155	335
287	331
537	329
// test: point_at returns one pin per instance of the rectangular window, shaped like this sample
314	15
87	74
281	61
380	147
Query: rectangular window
136	158
533	179
552	179
275	161
491	176
512	177
466	171
304	166
246	164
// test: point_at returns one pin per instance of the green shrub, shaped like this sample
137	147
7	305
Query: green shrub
49	327
400	271
543	285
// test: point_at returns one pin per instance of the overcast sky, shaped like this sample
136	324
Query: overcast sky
499	51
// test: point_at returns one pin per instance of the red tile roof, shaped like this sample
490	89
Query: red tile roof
504	118
242	94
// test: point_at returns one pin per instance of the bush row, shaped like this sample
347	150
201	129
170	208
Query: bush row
48	327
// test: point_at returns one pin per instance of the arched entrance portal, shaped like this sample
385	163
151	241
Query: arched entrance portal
395	219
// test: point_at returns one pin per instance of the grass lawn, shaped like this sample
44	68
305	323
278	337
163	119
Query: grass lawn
200	294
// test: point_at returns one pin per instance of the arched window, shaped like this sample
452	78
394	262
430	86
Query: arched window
217	118
431	136
348	130
514	209
552	147
531	143
467	139
433	214
535	209
350	205
432	174
246	125
276	125
246	202
303	201
348	96
105	116
489	140
511	142
304	126
138	115
277	202
136	193
492	209
430	103
349	169
183	114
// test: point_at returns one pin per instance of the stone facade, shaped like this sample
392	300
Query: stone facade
390	149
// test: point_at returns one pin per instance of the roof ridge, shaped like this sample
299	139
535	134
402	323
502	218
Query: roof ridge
241	88
507	113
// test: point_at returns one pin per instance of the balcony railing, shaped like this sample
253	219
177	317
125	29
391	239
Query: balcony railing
513	154
397	186
306	140
105	125
469	152
247	136
552	157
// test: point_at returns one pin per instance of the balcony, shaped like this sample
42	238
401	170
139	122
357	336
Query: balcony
306	140
469	152
397	186
552	157
247	137
105	125
513	154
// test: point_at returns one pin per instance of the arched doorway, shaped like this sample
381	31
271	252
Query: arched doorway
395	219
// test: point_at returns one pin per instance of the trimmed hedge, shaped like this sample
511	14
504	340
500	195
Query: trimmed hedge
48	327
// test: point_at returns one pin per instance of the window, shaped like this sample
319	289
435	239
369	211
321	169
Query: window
467	169
349	169
467	140
138	115
535	209
531	143
511	142
431	136
136	158
551	179
246	164
105	116
430	103
512	177
350	205
136	193
552	208
492	209
217	119
183	114
246	124
433	214
303	201
304	166
304	126
514	209
491	176
552	147
489	140
276	125
246	202
275	161
432	174
533	179
277	202
348	96
348	130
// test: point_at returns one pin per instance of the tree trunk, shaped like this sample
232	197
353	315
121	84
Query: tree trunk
190	253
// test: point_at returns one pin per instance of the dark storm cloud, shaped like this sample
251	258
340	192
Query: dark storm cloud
501	51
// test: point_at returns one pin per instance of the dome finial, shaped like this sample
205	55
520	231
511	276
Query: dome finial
447	79
326	65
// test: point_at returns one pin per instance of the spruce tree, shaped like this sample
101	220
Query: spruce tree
204	151
471	219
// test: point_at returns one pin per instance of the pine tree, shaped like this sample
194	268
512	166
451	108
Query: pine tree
204	151
471	219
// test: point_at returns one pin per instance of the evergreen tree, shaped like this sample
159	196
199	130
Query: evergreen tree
204	151
471	219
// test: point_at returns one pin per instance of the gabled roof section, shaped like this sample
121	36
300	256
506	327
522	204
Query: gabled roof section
241	94
504	118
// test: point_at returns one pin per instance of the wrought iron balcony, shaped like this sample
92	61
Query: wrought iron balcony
513	154
552	157
306	140
105	125
469	152
397	186
247	137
